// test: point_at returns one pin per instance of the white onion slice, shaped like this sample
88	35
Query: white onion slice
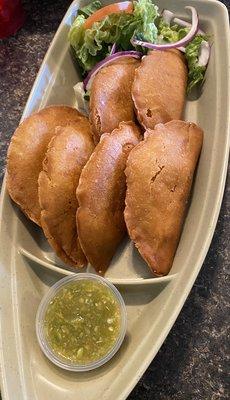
204	54
181	48
167	16
80	103
113	49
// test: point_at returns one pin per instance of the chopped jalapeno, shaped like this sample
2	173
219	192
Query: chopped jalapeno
82	321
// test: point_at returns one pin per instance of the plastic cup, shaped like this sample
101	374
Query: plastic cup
43	342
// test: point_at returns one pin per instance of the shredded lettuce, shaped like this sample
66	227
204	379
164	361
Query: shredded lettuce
170	33
195	72
173	33
92	45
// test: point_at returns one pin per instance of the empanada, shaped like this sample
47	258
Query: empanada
110	99
67	154
26	153
159	87
159	177
101	196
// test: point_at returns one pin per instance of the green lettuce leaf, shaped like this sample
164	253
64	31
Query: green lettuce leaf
92	45
145	12
76	33
195	72
90	8
170	33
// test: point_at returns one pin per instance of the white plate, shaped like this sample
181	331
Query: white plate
152	304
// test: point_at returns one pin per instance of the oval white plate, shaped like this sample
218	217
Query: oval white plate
54	85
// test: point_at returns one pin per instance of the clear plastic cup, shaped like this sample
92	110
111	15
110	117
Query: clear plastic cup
47	350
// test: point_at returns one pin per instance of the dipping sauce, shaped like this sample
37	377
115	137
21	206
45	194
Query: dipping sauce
82	322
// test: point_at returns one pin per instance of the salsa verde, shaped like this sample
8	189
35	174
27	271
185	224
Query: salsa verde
82	321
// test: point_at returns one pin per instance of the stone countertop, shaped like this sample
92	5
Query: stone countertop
191	364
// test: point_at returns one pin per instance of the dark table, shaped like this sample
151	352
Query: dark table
192	363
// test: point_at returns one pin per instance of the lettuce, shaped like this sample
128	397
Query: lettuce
174	33
92	45
145	13
76	33
169	33
195	72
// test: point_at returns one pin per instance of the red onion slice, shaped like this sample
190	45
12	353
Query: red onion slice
186	24
182	42
88	80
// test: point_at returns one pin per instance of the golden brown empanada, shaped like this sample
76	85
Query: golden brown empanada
67	154
159	87
101	196
110	99
26	153
159	177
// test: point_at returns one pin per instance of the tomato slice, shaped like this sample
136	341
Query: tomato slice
124	6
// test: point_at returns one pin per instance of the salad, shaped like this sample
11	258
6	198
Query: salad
101	34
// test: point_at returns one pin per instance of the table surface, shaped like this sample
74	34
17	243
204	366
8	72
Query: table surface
191	365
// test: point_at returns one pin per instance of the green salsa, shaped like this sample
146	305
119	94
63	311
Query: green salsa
82	321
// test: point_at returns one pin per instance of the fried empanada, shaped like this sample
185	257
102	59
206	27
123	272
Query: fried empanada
110	99
67	154
159	87
159	177
26	153
101	196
